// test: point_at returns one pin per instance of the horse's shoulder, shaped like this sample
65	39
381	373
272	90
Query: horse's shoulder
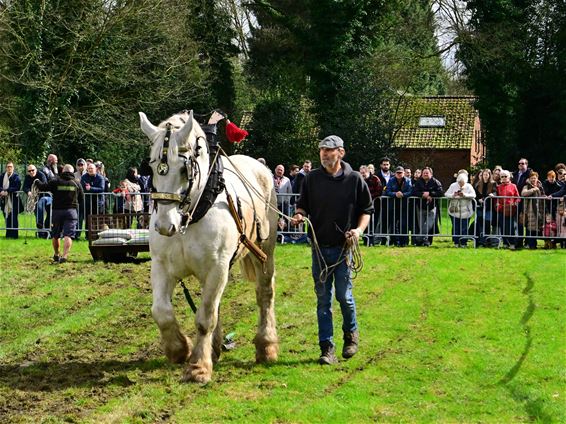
247	166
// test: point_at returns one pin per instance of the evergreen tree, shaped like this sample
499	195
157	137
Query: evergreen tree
514	54
209	26
283	130
316	47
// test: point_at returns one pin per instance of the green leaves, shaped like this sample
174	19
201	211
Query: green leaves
512	53
349	58
76	73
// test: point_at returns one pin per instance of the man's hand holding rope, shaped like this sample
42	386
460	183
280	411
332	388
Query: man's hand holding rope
298	218
353	236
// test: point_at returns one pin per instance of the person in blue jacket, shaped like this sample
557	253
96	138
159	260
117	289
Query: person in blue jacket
398	189
92	184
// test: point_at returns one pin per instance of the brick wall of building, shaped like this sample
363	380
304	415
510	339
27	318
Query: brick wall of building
445	163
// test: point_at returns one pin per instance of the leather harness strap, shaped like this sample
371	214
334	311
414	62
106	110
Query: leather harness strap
258	253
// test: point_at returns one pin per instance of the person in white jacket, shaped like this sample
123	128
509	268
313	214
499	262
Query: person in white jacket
460	208
283	188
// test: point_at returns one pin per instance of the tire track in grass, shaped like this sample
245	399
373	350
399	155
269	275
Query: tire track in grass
389	348
533	407
412	328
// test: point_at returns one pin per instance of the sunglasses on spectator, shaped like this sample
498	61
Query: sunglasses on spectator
31	170
522	163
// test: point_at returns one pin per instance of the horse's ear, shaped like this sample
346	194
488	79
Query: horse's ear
186	129
147	127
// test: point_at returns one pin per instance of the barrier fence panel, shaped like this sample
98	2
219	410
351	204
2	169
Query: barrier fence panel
37	218
495	221
287	233
486	222
415	221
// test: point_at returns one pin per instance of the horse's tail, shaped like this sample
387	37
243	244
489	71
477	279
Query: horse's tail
248	269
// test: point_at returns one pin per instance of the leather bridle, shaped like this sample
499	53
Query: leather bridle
191	169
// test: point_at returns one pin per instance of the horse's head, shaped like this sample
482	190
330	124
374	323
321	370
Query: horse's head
179	160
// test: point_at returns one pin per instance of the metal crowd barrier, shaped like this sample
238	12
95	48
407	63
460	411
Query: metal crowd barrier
400	222
38	221
413	221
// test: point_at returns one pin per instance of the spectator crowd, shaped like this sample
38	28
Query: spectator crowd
517	208
492	206
99	198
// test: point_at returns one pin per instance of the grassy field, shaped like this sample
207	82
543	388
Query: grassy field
447	335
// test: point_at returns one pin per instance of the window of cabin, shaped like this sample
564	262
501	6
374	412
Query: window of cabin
432	121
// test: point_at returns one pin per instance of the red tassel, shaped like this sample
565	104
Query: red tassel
235	134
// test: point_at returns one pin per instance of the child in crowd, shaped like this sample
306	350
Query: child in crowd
122	196
549	230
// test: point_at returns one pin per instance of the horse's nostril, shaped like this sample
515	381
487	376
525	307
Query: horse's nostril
172	229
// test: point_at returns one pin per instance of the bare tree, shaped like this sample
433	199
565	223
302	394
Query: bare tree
242	20
452	18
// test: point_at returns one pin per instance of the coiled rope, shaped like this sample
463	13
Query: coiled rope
32	199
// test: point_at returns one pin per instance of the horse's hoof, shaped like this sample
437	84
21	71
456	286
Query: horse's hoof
266	353
179	353
196	373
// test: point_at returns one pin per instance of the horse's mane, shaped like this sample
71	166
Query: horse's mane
176	121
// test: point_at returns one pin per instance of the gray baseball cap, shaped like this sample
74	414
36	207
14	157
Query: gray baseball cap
331	142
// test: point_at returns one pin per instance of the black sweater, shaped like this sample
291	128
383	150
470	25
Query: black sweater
67	191
334	204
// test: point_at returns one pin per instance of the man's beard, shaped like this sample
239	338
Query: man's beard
329	163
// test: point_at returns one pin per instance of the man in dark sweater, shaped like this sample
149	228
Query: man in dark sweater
338	203
67	193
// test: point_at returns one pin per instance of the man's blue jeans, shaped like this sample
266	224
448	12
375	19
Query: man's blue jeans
341	277
43	217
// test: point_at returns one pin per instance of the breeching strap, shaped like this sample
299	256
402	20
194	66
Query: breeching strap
258	253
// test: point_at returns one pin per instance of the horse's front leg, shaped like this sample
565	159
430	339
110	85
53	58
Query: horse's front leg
199	368
176	345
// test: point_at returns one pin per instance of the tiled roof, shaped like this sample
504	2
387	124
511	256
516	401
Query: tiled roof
458	130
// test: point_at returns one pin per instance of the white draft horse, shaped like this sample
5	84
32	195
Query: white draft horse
207	248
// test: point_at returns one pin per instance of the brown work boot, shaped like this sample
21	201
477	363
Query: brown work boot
327	354
350	344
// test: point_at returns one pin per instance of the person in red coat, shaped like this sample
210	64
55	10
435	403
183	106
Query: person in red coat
507	211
